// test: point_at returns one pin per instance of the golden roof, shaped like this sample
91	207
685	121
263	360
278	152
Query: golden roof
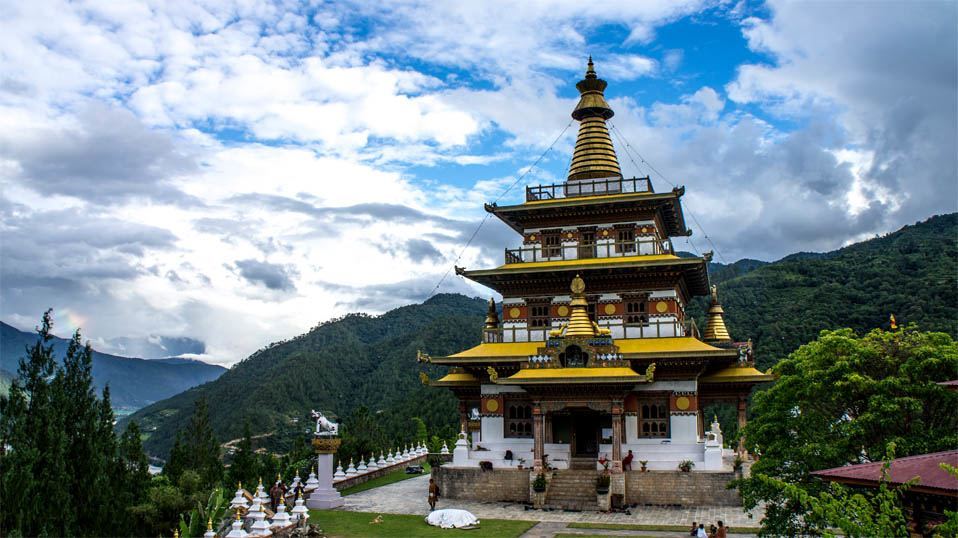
528	376
594	155
680	346
737	373
715	324
456	377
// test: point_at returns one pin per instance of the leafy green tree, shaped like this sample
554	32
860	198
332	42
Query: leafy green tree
197	449
244	467
842	399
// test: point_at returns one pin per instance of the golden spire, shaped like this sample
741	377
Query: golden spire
579	322
492	317
209	524
715	324
594	155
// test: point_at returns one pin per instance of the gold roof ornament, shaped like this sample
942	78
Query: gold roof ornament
715	330
492	317
594	155
209	524
579	323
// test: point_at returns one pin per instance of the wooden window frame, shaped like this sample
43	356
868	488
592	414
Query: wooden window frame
624	245
552	244
654	419
517	420
539	315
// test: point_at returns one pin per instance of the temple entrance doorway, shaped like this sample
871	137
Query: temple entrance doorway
585	433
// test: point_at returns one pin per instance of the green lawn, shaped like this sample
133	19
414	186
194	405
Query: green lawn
568	535
340	524
630	527
383	480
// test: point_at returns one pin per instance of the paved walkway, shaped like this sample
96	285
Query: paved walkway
409	497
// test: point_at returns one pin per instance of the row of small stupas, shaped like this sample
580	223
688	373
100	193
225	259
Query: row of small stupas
570	375
254	516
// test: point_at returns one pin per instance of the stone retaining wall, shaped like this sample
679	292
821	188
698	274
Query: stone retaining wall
686	489
359	479
511	485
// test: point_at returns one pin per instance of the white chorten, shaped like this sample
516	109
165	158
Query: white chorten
351	470
339	474
372	466
312	482
299	510
389	459
362	466
382	460
280	518
444	449
260	526
239	500
237	530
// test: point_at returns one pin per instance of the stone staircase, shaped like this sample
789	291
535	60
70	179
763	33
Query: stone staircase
572	490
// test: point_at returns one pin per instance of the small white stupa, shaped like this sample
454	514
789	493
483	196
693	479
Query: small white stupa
372	465
296	481
237	530
339	474
210	533
382	460
312	482
260	526
261	492
405	453
390	460
444	449
299	510
351	470
280	518
254	507
361	469
239	500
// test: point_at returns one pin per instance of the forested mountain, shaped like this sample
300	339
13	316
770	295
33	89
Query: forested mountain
357	360
134	383
368	361
910	273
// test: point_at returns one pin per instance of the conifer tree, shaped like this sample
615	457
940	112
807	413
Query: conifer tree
196	449
243	467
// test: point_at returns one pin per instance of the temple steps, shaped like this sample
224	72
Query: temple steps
572	490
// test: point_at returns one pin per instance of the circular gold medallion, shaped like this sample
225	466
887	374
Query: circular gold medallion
532	237
569	235
514	312
492	406
645	230
605	233
563	311
661	307
610	309
682	403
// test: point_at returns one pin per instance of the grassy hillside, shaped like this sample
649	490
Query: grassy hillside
134	383
335	367
910	273
363	360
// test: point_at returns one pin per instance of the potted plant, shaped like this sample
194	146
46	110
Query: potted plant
686	466
602	484
643	463
539	484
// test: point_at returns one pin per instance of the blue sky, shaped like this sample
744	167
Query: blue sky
227	173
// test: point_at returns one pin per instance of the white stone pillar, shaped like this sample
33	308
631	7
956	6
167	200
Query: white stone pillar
460	454
325	495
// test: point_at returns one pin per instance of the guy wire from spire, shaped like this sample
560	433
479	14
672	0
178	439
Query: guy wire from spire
487	215
628	150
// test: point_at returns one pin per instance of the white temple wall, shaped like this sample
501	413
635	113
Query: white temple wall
683	428
491	429
489	388
680	385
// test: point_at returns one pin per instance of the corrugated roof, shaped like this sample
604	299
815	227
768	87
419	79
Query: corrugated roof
926	468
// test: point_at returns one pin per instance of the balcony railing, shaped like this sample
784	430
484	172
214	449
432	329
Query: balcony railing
642	246
651	329
588	187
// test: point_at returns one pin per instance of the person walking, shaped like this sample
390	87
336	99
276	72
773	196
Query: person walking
722	531
433	494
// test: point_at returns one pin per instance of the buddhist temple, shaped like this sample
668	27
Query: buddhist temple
592	355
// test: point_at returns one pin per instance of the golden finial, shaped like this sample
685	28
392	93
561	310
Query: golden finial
176	533
237	514
209	524
894	324
239	485
590	71
578	285
714	418
424	378
279	477
714	293
492	317
261	480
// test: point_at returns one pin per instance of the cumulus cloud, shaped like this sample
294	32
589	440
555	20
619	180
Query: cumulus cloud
271	275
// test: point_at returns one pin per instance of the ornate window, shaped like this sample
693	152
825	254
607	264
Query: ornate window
587	244
552	245
635	311
518	420
539	315
654	418
573	357
625	240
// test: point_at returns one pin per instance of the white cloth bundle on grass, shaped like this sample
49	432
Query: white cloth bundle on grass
451	518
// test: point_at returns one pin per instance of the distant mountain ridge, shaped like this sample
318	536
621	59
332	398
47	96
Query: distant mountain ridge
364	360
133	382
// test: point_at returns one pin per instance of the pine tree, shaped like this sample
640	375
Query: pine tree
243	468
196	449
132	474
